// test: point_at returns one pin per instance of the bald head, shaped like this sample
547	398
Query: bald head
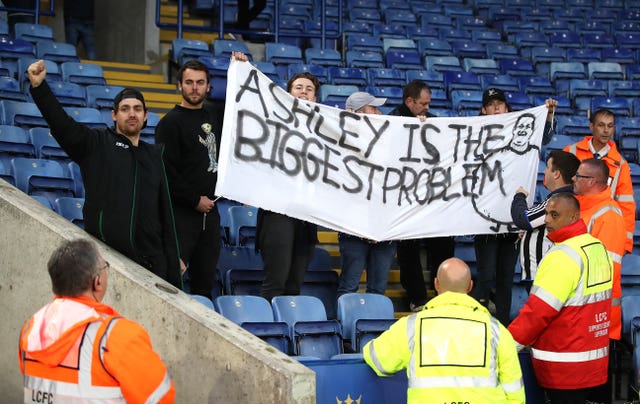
453	276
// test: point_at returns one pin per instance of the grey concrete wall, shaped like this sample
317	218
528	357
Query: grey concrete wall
210	359
126	31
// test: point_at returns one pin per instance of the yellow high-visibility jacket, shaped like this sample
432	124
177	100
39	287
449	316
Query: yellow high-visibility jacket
454	351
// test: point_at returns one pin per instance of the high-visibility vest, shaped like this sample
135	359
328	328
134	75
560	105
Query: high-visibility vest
567	316
453	351
604	221
620	183
80	364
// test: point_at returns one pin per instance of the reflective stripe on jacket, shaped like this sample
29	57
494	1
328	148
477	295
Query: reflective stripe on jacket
452	350
566	318
620	182
605	222
75	350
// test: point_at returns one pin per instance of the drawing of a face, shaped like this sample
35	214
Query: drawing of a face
522	132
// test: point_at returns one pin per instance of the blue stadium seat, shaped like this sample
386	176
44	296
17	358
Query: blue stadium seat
559	142
567	70
502	51
467	102
453	34
587	88
74	172
203	300
630	310
254	314
516	67
323	57
233	257
386	77
504	82
71	209
398	43
514	26
584	55
573	125
403	59
468	49
434	47
565	39
605	71
23	114
481	66
400	16
519	296
434	79
619	55
442	63
623	88
618	105
69	94
315	27
485	36
4	28
356	58
592	27
364	316
347	76
58	52
224	47
356	27
310	331
364	43
457	80
101	97
434	20
336	94
628	126
418	32
242	225
183	49
33	32
89	117
530	39
439	99
45	145
14	49
41	177
369	15
542	56
82	73
152	121
393	94
269	69
7	69
279	53
321	72
518	101
15	142
532	85
10	89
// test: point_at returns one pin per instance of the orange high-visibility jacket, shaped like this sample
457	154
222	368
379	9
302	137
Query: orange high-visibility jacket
79	349
604	221
620	182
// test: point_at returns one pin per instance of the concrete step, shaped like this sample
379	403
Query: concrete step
120	67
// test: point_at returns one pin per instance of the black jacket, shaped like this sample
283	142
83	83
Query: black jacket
403	110
115	190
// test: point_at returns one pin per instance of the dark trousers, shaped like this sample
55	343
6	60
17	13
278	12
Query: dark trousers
496	256
438	249
199	242
578	396
286	249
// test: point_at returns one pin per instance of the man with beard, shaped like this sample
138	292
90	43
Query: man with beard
127	201
191	135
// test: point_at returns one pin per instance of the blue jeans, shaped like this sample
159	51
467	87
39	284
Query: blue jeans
357	254
78	30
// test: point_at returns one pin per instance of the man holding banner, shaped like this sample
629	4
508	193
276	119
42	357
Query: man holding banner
286	243
378	177
357	253
415	103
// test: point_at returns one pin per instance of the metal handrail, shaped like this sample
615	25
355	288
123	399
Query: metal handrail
36	11
180	26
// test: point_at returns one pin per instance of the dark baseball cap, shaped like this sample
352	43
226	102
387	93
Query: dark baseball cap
493	94
128	93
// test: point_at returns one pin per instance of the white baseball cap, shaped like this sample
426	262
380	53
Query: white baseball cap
360	99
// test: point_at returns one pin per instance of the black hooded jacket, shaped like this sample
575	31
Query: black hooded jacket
127	203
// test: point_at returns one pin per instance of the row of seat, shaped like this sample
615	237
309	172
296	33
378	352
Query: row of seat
58	52
298	325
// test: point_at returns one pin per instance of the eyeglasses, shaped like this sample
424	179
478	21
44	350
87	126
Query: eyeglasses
105	266
583	176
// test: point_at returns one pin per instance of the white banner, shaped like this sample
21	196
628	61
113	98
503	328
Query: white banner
376	176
